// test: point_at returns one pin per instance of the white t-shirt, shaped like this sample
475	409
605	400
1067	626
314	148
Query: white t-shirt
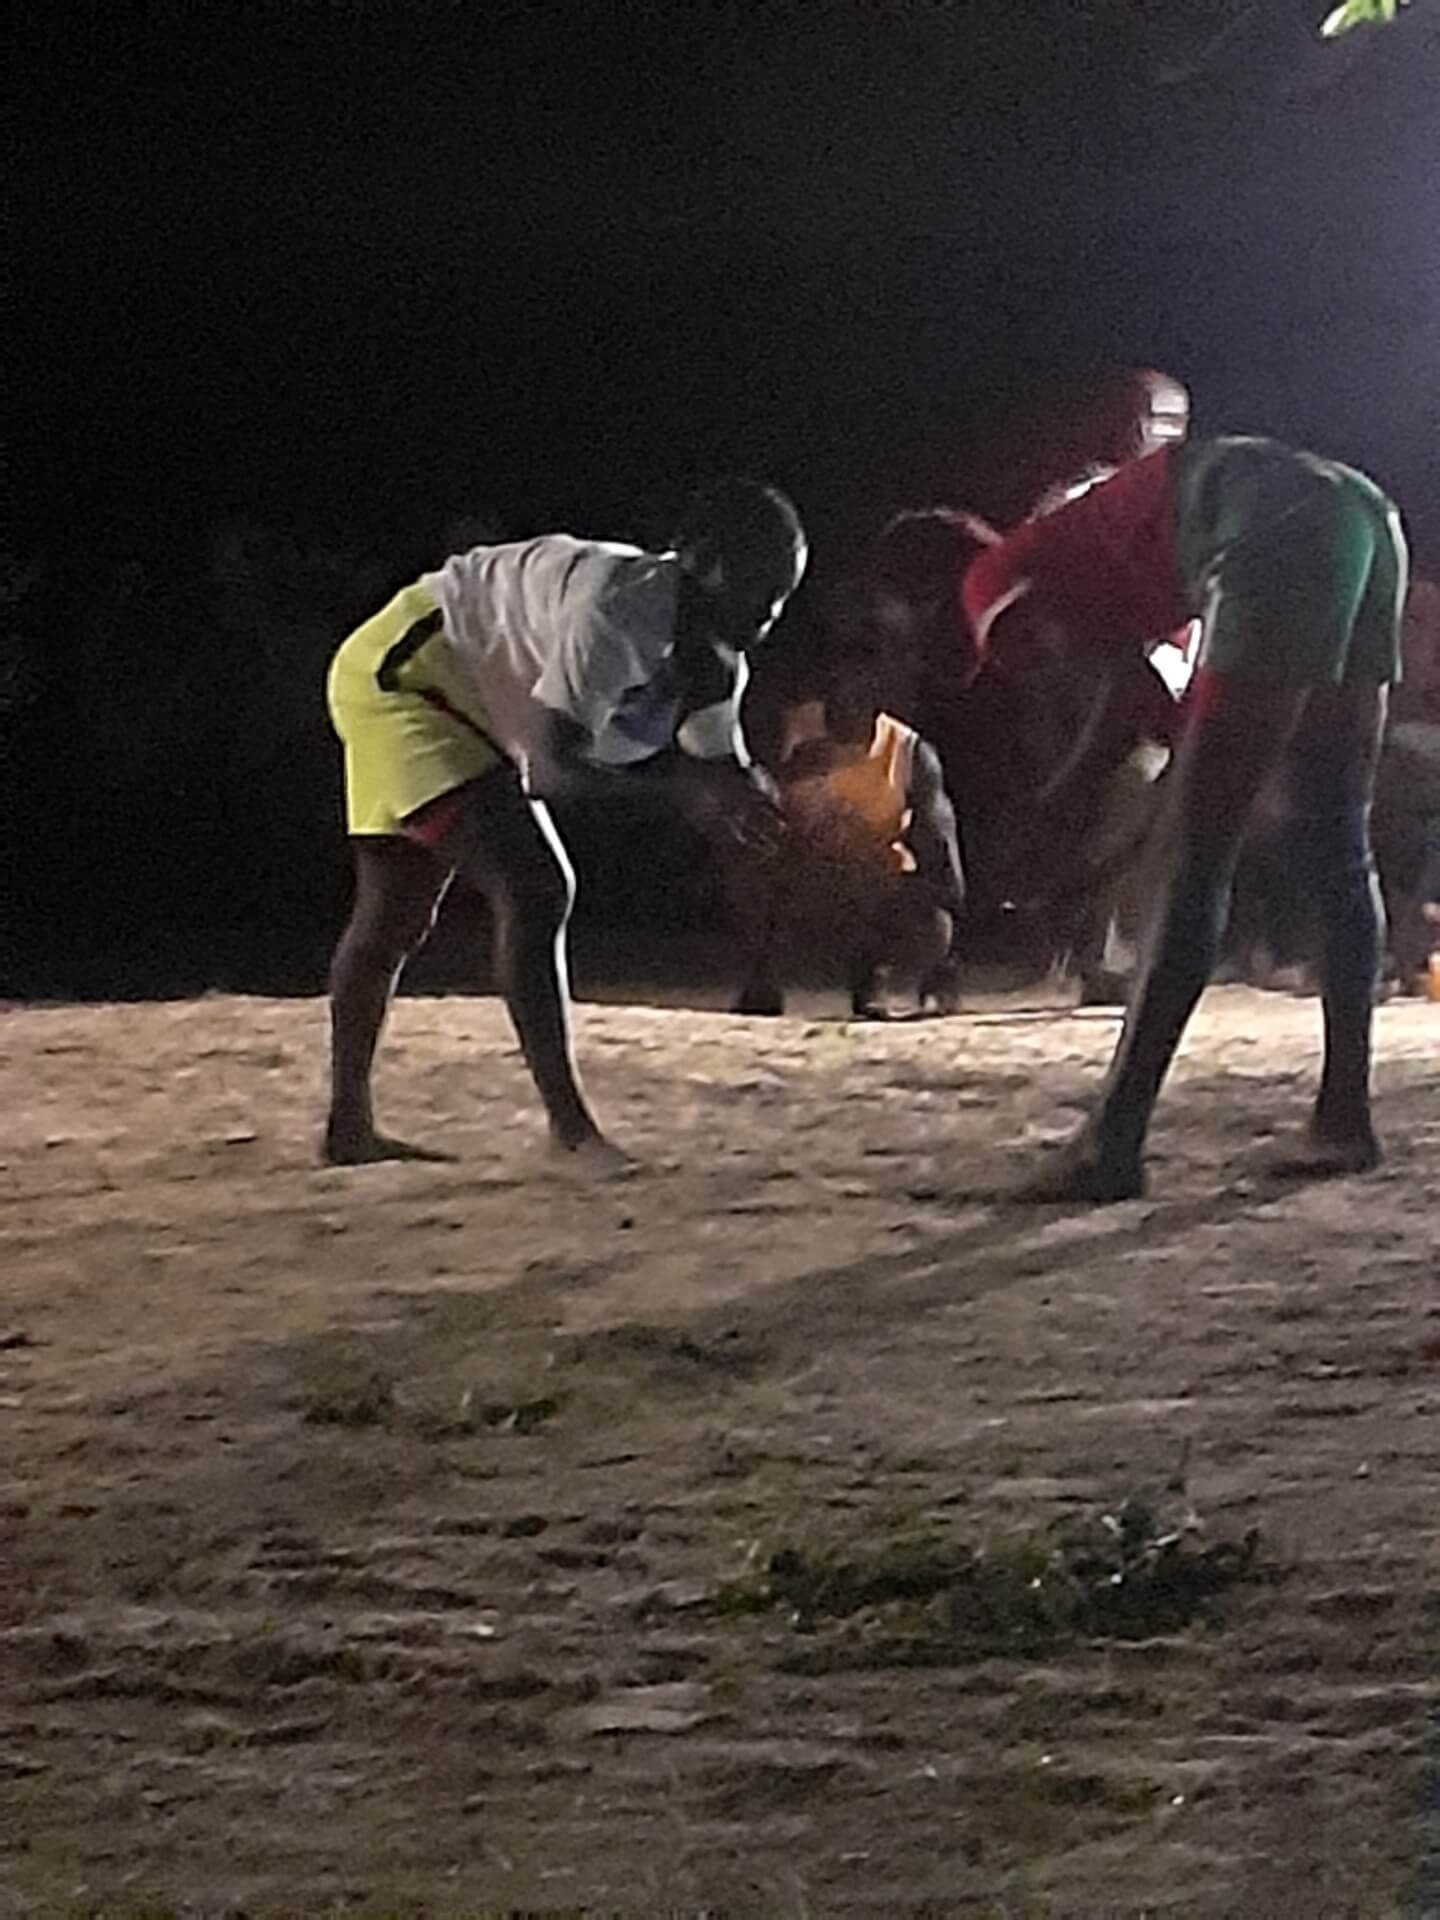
585	628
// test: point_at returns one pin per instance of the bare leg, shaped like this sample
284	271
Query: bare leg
1228	753
505	846
1338	750
1129	806
754	887
398	887
908	935
762	991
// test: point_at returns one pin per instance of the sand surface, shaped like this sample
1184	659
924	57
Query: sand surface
361	1531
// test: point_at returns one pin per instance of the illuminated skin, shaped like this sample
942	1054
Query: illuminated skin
1298	565
496	835
1238	736
905	604
1150	410
891	921
1410	778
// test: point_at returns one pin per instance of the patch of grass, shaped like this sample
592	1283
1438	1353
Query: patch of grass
927	1600
363	1399
668	1354
813	1587
276	1660
507	1416
476	1415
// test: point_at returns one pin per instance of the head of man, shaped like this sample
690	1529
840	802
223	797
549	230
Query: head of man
907	600
1138	412
860	685
1025	633
742	552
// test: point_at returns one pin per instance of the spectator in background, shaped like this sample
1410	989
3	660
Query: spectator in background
871	867
1407	794
1052	771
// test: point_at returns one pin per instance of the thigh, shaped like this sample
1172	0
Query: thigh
1283	605
505	845
1126	809
1374	654
398	889
1335	754
905	904
1234	743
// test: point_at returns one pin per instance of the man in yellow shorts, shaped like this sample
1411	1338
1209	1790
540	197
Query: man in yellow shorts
519	672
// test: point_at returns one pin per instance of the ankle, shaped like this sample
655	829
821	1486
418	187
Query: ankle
1341	1122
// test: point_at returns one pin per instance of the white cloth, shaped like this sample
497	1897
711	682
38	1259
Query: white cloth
584	628
1176	659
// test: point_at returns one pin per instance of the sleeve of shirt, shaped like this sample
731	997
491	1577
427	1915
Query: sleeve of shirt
608	644
993	582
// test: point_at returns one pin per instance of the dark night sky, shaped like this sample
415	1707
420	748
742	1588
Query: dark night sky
353	270
376	265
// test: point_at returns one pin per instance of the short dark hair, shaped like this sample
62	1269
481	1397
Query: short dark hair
925	551
737	514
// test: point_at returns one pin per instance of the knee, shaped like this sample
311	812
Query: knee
914	935
1194	914
541	895
936	933
378	940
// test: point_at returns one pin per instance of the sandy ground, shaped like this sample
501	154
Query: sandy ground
359	1529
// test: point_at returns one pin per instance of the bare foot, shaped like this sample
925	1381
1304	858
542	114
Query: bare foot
1330	1152
1082	1173
938	1006
1104	988
940	990
763	1003
866	1009
366	1148
1298	979
595	1157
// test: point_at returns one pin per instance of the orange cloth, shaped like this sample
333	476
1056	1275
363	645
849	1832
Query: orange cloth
868	787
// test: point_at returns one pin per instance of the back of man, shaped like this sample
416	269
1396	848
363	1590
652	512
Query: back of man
572	625
1296	565
517	674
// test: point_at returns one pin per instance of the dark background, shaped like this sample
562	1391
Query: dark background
305	294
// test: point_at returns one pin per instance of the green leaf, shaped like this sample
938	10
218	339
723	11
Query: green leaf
1359	13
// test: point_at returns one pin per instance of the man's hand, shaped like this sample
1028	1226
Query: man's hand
724	800
729	802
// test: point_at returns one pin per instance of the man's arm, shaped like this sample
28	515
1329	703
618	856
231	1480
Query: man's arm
720	797
933	836
560	768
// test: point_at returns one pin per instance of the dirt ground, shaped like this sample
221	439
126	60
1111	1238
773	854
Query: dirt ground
364	1534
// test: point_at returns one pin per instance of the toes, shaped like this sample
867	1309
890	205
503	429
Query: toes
372	1148
1083	1182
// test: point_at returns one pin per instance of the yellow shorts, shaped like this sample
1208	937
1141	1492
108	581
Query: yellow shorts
400	751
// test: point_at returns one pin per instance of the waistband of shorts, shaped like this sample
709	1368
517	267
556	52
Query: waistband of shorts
393	661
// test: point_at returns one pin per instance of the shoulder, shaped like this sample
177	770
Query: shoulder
634	591
510	563
621	572
996	571
586	585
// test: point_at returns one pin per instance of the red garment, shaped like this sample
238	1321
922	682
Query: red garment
429	824
1105	562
